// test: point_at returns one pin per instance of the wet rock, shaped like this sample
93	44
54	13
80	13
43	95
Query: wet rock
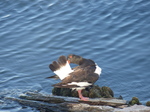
50	103
95	92
148	103
134	108
45	103
106	92
134	100
74	93
62	91
91	92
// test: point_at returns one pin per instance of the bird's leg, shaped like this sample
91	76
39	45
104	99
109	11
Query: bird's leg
81	97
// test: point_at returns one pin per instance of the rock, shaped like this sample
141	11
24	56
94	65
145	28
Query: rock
48	103
106	92
134	100
120	97
95	92
105	101
89	108
134	108
148	103
62	91
91	92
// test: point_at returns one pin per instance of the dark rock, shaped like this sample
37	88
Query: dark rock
85	93
74	93
95	92
91	92
106	92
148	103
62	91
134	100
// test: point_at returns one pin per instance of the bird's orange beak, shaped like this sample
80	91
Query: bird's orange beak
69	60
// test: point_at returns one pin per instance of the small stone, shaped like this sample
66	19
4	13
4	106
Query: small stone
106	92
120	97
148	103
134	100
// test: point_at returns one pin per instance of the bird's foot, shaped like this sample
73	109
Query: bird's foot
84	98
81	97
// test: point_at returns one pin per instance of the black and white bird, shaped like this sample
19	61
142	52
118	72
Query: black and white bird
85	74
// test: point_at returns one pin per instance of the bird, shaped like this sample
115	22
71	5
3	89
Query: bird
85	74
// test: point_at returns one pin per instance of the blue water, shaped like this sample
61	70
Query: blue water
33	33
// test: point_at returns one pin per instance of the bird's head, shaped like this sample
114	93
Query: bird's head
72	58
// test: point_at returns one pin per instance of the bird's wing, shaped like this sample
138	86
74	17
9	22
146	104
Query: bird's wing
61	67
78	77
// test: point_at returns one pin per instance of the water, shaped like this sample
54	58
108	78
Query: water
33	33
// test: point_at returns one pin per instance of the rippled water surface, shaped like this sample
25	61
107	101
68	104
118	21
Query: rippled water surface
33	33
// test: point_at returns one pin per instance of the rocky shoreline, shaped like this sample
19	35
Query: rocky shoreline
64	100
94	92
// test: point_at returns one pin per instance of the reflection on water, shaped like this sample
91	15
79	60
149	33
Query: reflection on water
34	33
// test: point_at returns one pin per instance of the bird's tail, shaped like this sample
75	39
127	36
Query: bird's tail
53	77
61	68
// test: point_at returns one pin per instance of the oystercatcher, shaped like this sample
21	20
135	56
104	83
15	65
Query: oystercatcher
85	74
